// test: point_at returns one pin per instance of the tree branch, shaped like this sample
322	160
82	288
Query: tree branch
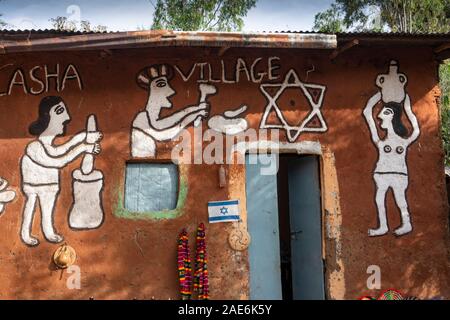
219	4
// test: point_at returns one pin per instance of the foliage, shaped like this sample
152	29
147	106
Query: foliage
330	20
63	24
444	77
396	15
426	16
204	15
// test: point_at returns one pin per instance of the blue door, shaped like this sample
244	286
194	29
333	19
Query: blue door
306	228
262	218
298	208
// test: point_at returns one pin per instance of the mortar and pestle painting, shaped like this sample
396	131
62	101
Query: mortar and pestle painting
87	209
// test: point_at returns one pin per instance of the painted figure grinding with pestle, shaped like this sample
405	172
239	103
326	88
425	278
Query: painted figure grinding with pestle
42	161
391	170
148	125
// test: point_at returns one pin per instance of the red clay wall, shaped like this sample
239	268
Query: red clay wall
135	258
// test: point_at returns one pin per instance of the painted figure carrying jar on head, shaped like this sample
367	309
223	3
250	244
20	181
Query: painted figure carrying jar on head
391	170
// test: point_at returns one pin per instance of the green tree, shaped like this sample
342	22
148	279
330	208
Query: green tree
444	82
426	16
204	15
330	20
395	15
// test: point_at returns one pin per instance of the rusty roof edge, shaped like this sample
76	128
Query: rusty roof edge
155	38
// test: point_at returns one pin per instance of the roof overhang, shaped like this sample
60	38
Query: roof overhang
163	38
439	42
14	41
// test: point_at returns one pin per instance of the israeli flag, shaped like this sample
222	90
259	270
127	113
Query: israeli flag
223	211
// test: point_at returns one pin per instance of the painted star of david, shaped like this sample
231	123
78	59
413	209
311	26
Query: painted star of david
223	210
314	93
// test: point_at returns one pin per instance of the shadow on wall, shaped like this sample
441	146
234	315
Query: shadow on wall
126	259
123	259
134	266
415	264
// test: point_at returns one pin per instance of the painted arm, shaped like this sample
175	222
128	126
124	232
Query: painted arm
412	118
38	154
142	123
56	151
168	134
368	114
175	118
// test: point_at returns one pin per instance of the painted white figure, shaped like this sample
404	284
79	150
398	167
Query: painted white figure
41	164
87	209
229	123
149	126
391	170
5	195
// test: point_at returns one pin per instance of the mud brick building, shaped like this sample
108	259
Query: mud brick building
105	145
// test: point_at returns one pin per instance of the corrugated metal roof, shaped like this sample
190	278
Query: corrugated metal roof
48	39
396	34
352	33
371	33
47	31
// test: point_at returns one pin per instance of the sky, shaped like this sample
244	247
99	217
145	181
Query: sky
123	15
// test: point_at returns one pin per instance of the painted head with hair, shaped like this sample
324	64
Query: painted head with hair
52	118
155	79
391	118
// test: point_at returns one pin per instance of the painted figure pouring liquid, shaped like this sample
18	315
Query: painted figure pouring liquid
391	170
42	161
148	125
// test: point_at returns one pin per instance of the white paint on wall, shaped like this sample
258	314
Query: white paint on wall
148	126
41	165
391	170
6	196
232	72
87	209
229	123
266	146
293	131
42	79
392	84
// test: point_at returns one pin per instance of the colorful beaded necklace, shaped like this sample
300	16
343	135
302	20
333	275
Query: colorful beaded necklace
201	286
184	266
